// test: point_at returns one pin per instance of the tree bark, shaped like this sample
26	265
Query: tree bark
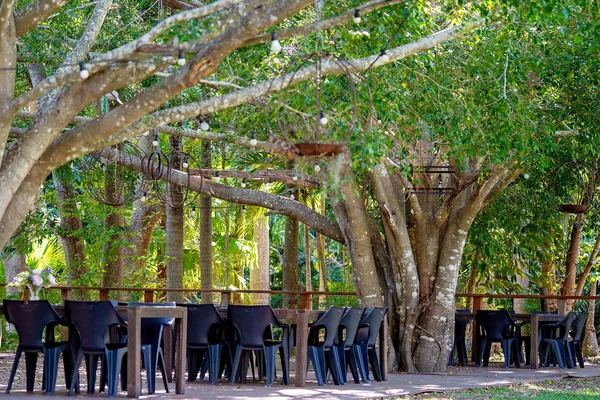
568	287
290	262
321	257
206	279
590	342
175	231
114	222
260	269
12	266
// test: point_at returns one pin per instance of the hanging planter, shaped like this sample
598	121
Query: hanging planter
574	187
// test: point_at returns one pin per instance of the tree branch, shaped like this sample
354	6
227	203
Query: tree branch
35	13
285	176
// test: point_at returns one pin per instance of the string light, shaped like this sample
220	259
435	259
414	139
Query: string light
83	71
323	118
143	198
275	45
181	58
204	125
155	141
295	178
317	168
146	133
357	18
384	56
292	196
253	140
243	183
270	184
185	162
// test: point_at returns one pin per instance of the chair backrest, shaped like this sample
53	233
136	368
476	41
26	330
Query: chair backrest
330	321
371	319
579	325
493	322
29	320
152	328
349	324
92	320
565	326
204	324
251	323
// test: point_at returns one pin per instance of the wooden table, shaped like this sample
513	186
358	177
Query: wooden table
534	319
134	318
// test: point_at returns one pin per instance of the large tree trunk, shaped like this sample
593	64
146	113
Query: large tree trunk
206	279
175	231
290	263
590	342
547	288
523	281
260	271
568	287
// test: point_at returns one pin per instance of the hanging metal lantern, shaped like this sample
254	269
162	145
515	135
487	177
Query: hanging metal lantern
330	111
574	187
108	181
172	194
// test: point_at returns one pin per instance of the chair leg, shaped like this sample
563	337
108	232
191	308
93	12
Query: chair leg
163	369
340	354
481	345
334	364
486	353
235	363
14	369
149	365
114	361
202	363
75	373
351	362
285	365
214	361
51	367
318	361
192	361
570	355
360	363
579	354
374	360
269	364
30	363
91	365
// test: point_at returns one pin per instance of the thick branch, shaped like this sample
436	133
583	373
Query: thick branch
35	13
284	176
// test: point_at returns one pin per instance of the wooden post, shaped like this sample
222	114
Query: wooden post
134	362
225	298
104	294
168	351
476	306
65	294
305	301
301	347
149	296
181	327
533	349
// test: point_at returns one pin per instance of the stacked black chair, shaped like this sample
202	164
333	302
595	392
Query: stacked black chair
205	340
151	339
92	322
321	353
344	346
555	337
251	331
460	339
499	327
368	331
29	320
577	336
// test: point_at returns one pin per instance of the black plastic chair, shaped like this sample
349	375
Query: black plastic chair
321	353
555	337
368	331
460	338
30	319
251	331
92	322
205	340
151	339
346	340
499	327
577	336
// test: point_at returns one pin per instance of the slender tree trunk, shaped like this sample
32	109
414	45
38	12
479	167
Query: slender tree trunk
472	282
290	262
260	271
547	289
523	281
206	280
175	232
321	256
568	287
12	266
114	221
590	342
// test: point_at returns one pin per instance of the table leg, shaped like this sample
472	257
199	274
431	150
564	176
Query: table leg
134	384
533	349
383	329
168	352
301	350
181	328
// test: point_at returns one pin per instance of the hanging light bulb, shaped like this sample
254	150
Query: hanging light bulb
193	213
217	175
143	198
243	183
357	18
155	141
294	178
204	125
317	168
185	162
146	133
384	56
181	58
269	184
292	196
275	45
323	118
253	140
83	71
